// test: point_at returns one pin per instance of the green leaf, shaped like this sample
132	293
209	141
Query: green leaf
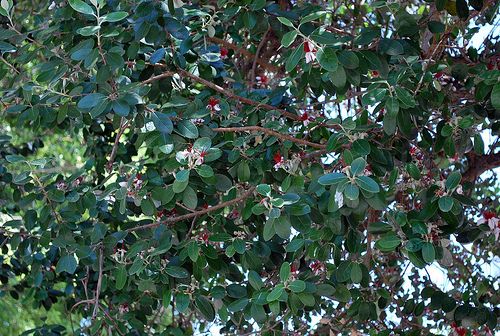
189	198
282	226
181	302
255	280
312	16
284	271
120	277
275	293
243	171
205	307
462	9
162	122
479	143
114	17
177	272
288	38
81	7
349	59
193	251
269	230
294	245
356	273
388	242
87	31
338	77
445	203
285	21
358	166
332	178
453	180
238	305
294	58
202	145
351	191
392	106
187	129
67	264
342	294
327	58
264	189
405	97
297	286
390	124
374	96
428	252
204	170
91	100
495	96
368	184
182	175
390	47
413	170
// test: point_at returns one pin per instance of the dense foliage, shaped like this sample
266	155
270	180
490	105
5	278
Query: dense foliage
270	167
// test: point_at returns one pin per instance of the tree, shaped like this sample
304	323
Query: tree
268	167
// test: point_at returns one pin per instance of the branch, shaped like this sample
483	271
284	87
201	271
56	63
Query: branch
246	53
99	282
256	58
123	127
221	90
478	164
247	194
270	132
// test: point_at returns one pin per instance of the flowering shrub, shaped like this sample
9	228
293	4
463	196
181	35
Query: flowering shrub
251	167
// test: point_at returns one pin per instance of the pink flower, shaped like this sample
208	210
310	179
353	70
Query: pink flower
279	160
306	118
262	80
493	222
223	52
213	105
317	267
310	51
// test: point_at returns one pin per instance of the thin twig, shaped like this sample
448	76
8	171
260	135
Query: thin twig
247	194
246	53
99	282
269	132
123	127
256	57
221	90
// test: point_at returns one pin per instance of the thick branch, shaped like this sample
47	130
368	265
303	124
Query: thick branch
247	194
270	132
478	164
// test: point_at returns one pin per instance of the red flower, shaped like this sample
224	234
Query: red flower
317	267
304	116
491	66
439	74
213	104
262	79
488	215
277	158
223	52
375	73
310	51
